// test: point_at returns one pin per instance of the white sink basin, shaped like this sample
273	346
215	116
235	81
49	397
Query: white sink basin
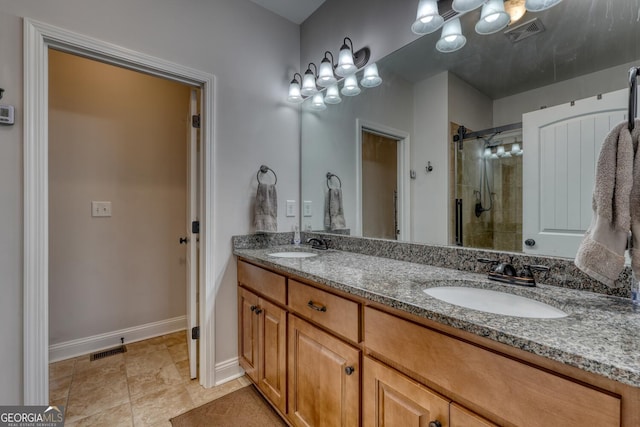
495	302
292	254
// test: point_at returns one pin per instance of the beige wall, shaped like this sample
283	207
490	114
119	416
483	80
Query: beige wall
120	136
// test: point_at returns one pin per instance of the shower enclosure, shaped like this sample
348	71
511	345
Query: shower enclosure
487	188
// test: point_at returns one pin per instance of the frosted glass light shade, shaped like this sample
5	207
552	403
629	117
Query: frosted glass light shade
309	84
515	148
500	151
317	102
345	62
487	153
428	19
294	93
325	74
493	18
333	95
451	38
371	78
350	87
462	6
540	5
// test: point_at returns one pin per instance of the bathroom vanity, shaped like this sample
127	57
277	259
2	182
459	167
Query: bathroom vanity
345	339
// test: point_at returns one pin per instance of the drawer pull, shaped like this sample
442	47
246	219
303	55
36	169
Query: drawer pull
435	423
350	370
321	308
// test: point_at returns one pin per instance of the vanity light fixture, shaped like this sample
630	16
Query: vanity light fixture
294	90
317	102
346	63
428	20
333	95
371	78
493	18
462	6
540	5
325	74
451	38
350	87
309	81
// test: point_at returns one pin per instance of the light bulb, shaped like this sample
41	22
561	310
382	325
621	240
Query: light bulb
500	151
493	18
317	102
487	152
325	74
371	78
345	62
333	95
350	87
428	19
451	38
309	84
294	92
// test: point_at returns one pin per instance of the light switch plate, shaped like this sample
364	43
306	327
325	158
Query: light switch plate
306	208
291	208
100	209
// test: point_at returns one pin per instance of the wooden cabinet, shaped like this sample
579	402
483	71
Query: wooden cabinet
324	378
262	341
390	399
461	417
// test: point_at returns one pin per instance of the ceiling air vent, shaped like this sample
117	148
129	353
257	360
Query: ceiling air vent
525	30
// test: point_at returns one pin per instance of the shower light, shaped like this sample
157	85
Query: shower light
371	77
317	102
350	87
309	82
451	38
540	5
462	6
333	95
428	20
294	90
493	18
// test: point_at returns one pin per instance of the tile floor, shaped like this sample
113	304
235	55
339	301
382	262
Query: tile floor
146	386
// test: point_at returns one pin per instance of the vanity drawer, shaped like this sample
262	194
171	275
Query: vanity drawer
511	390
331	311
264	282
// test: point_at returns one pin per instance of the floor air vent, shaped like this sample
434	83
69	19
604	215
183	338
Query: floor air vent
107	353
525	30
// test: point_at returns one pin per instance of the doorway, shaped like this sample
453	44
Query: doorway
38	38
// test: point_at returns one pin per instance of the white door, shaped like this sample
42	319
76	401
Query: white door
192	243
561	147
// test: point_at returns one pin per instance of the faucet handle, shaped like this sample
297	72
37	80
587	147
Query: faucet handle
528	269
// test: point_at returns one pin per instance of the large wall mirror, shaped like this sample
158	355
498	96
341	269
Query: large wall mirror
537	102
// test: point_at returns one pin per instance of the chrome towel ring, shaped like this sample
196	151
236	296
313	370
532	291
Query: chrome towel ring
264	169
331	175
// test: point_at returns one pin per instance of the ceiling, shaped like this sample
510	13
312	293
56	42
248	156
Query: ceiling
295	11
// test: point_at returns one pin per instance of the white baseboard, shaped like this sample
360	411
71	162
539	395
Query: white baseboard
82	346
228	370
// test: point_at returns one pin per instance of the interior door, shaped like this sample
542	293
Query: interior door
192	243
561	148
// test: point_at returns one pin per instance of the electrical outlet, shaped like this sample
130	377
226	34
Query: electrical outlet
291	208
306	208
100	209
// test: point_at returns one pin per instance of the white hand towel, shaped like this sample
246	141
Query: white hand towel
601	253
266	208
333	210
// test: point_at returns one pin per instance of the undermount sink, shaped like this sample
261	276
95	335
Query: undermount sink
495	302
298	254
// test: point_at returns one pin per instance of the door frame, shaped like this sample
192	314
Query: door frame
38	37
404	150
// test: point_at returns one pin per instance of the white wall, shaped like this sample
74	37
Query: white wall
254	125
120	136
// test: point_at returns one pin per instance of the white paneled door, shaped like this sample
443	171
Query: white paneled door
561	148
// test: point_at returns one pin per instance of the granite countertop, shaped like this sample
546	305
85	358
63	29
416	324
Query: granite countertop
601	334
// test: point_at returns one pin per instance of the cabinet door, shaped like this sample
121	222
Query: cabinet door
324	378
389	399
272	353
461	417
248	332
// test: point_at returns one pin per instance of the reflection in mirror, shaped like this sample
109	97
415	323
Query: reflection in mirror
571	52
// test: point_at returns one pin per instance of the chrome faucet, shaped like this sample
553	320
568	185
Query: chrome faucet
506	273
318	243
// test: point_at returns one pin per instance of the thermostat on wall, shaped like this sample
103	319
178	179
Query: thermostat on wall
6	114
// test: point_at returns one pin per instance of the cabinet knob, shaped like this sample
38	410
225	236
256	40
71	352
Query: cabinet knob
350	370
530	242
258	310
435	423
253	308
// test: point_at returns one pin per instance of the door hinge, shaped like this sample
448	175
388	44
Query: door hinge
195	121
195	227
195	333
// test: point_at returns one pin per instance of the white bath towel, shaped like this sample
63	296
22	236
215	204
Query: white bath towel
266	208
601	253
333	210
